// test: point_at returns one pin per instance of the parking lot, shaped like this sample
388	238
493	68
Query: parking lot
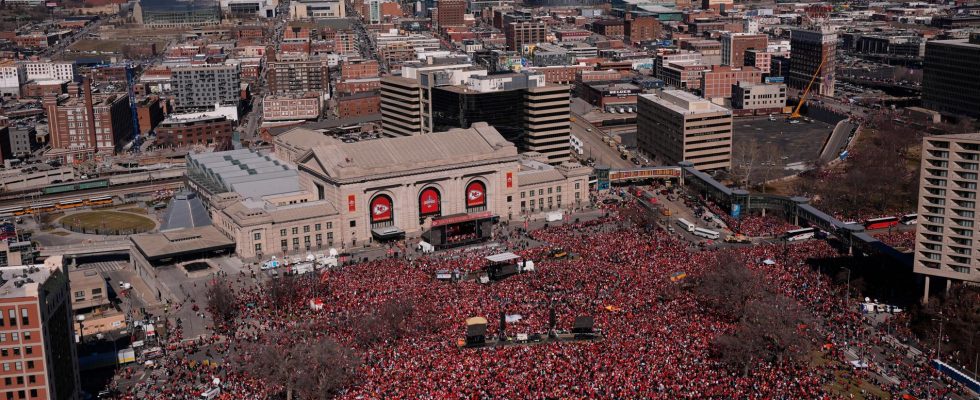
783	148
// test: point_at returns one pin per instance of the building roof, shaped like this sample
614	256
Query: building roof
86	279
24	280
683	102
185	211
182	241
369	158
246	172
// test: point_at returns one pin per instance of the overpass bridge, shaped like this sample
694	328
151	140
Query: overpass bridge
100	248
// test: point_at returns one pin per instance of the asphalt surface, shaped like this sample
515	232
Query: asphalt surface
785	149
593	146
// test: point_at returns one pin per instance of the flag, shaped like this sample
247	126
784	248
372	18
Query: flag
513	318
613	308
678	276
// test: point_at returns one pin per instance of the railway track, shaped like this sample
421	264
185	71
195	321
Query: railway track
29	198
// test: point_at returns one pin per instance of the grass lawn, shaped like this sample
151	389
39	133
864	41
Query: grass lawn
135	210
109	220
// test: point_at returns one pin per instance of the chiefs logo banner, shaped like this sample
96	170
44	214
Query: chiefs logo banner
429	202
476	194
381	209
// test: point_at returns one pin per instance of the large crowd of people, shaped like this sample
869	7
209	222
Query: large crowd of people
656	336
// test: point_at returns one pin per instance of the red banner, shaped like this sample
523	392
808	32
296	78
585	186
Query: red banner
510	179
476	194
381	209
430	202
455	219
351	204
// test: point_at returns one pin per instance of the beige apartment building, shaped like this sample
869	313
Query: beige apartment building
675	126
946	244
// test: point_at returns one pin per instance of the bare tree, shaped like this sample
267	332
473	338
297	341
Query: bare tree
222	304
772	329
283	291
745	156
391	321
313	369
728	286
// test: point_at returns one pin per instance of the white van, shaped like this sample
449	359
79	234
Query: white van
302	268
706	233
211	394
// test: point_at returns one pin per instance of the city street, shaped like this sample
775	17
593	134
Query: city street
593	146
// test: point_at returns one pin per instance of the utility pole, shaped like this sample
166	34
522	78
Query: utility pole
848	295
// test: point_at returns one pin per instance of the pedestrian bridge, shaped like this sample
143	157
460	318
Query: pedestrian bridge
95	248
797	211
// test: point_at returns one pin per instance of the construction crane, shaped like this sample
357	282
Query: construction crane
796	111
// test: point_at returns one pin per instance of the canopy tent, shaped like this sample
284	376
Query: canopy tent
502	257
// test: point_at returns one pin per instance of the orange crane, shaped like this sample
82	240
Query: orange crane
796	111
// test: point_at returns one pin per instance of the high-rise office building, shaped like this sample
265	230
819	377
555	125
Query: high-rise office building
199	86
40	360
451	12
401	106
519	34
405	106
734	46
546	121
946	244
522	107
812	52
949	81
675	126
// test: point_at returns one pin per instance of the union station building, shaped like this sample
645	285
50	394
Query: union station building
316	192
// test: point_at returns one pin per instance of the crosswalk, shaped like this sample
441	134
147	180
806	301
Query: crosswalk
105	267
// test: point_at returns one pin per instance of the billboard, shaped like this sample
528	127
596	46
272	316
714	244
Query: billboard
430	202
381	209
476	194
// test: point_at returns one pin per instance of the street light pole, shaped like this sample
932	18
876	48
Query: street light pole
939	340
848	295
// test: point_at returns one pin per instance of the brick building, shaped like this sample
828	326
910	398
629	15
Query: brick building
203	130
359	69
518	34
716	85
298	76
608	27
39	359
358	105
450	12
642	28
734	46
80	127
287	108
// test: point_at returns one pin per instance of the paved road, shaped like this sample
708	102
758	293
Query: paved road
594	147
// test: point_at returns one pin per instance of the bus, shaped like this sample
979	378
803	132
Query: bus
706	233
910	219
687	226
69	204
800	234
98	201
880	223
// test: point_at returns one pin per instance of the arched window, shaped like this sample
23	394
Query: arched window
476	196
382	211
430	202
